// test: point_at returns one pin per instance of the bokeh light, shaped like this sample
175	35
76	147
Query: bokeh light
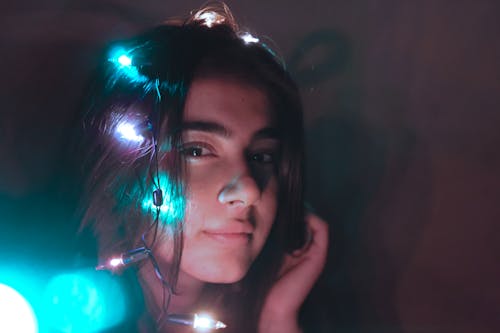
16	314
83	302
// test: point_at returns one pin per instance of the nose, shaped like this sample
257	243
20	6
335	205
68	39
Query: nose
241	190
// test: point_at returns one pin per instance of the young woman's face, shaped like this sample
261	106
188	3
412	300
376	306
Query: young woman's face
230	152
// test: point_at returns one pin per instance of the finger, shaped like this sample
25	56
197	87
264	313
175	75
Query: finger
318	248
315	252
316	232
319	230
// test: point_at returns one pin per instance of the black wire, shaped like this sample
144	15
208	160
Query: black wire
157	132
156	224
166	288
154	174
166	297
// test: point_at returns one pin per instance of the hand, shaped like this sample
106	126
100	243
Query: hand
297	276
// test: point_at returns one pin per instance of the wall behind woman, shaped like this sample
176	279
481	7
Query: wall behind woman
401	104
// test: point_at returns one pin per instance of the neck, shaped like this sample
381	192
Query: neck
185	299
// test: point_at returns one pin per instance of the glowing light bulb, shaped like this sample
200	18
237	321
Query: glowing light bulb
209	18
115	262
205	322
110	265
126	258
199	322
128	66
125	60
127	131
248	38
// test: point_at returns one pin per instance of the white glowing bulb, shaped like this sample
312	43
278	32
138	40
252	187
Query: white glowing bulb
204	322
209	18
127	132
126	258
248	38
111	264
124	60
115	262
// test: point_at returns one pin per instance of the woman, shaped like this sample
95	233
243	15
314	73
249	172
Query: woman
194	157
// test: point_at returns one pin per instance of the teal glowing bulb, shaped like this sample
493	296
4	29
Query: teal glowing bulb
125	60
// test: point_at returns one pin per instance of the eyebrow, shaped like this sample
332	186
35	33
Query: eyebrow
206	126
266	133
221	130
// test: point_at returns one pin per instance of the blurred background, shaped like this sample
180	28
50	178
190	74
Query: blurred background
402	117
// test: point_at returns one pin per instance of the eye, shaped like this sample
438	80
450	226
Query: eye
195	150
263	157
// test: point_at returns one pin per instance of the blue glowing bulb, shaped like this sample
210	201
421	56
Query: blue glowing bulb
125	60
126	66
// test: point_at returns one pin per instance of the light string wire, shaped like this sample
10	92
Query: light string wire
167	290
154	175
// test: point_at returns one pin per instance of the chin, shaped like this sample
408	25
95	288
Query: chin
227	277
219	273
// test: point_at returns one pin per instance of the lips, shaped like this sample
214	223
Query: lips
232	228
229	238
234	233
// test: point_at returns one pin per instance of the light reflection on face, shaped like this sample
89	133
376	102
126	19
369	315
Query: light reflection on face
230	155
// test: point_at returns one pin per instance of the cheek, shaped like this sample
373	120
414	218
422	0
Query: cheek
269	199
201	204
201	194
266	212
203	174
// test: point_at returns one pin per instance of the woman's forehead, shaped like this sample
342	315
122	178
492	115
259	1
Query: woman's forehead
227	101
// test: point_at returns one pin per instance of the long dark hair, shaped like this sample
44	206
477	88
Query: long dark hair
151	91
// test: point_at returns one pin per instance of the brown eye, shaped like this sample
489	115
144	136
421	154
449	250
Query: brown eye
195	151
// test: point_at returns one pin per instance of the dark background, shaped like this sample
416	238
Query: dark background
403	130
